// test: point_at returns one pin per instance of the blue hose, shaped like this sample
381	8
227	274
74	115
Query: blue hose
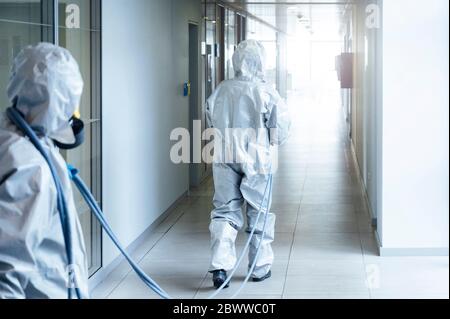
15	116
19	121
90	200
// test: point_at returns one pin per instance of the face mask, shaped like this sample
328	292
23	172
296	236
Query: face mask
77	126
78	131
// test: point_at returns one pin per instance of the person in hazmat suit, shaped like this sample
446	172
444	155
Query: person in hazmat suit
45	87
249	118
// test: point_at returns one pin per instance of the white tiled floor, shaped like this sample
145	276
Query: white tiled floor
325	247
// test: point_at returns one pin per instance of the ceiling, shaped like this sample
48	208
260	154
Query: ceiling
315	15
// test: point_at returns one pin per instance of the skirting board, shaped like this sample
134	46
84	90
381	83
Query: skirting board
414	252
103	273
374	218
410	252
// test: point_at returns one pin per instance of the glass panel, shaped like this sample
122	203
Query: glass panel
26	12
76	34
76	14
25	23
220	43
268	38
20	25
210	29
230	43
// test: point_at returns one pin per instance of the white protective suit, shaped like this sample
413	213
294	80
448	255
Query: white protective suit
237	108
46	87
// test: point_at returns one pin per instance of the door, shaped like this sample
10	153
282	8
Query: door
194	112
79	32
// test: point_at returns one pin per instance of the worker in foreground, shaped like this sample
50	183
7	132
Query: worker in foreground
45	88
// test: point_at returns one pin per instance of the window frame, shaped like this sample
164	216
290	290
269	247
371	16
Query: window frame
50	16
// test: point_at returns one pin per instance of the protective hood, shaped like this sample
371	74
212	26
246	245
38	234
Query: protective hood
249	61
46	87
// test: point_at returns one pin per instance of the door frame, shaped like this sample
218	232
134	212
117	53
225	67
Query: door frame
51	16
194	111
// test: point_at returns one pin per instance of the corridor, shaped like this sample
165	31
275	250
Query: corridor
325	247
361	188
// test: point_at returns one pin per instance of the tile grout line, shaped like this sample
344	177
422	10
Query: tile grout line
361	196
352	171
365	265
294	234
296	225
201	285
206	274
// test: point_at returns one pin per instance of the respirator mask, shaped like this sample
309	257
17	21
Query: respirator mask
78	131
76	125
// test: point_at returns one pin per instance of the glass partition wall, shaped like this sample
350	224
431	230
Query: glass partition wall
225	28
230	42
268	37
74	25
210	48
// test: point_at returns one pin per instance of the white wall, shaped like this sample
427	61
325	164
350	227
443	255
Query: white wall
415	208
145	63
364	101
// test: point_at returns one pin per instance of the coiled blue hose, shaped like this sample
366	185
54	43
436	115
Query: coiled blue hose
90	200
15	116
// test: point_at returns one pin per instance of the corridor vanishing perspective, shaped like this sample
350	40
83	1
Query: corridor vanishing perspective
324	246
182	92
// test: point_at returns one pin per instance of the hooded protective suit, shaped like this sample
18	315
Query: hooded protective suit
46	87
248	116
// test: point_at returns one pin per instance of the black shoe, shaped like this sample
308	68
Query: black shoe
219	277
269	274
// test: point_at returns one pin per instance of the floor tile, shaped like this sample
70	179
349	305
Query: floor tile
328	296
335	285
177	287
408	276
327	223
324	267
333	246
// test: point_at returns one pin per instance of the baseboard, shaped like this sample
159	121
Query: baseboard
203	179
205	176
374	222
363	186
105	271
414	252
409	252
378	241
